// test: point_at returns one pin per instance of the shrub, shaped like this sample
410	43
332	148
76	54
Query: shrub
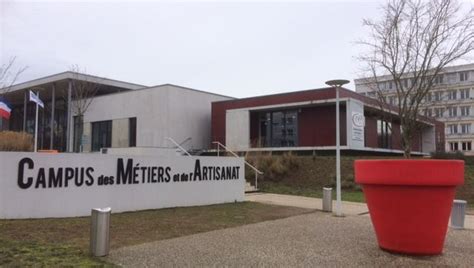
448	155
15	141
274	167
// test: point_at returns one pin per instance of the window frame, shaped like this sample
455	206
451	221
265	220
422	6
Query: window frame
132	132
106	125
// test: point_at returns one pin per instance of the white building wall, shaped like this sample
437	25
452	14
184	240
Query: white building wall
161	112
237	129
428	140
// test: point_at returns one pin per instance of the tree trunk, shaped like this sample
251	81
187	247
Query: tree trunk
406	144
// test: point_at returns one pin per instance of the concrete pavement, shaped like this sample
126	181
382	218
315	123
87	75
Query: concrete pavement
310	240
314	239
348	208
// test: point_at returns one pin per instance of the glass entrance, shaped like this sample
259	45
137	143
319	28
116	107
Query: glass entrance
278	129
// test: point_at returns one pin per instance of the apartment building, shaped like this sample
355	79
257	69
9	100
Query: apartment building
451	100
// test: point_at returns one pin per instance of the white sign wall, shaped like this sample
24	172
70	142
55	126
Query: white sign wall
355	124
35	185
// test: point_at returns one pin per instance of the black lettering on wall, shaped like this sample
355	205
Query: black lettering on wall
79	178
55	180
21	172
204	174
161	172
41	179
90	179
197	170
168	176
124	174
237	175
69	175
218	173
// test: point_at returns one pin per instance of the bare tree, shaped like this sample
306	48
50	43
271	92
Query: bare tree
9	75
412	43
83	92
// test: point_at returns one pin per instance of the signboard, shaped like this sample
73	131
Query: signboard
358	124
36	185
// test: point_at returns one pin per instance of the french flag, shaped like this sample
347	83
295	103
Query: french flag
5	111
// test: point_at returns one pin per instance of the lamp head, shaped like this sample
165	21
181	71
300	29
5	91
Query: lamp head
337	82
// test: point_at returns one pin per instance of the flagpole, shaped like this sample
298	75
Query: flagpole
36	126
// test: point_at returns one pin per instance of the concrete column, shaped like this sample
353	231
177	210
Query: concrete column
53	107
87	133
237	130
120	131
68	119
25	103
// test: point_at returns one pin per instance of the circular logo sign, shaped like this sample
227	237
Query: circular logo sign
358	119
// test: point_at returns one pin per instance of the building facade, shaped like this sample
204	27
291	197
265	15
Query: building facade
451	100
129	118
306	120
120	115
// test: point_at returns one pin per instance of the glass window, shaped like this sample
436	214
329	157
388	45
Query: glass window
405	83
463	76
466	146
465	110
279	129
465	128
132	132
453	146
464	93
384	134
428	112
452	94
392	100
101	135
453	111
428	97
453	129
439	112
438	95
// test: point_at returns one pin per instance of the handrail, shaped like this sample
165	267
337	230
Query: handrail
184	141
257	172
179	146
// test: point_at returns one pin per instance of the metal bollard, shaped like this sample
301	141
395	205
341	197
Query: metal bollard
458	213
100	223
327	199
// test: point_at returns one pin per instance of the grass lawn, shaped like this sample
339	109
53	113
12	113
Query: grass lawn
279	188
307	175
65	241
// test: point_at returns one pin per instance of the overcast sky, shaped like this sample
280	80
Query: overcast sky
232	48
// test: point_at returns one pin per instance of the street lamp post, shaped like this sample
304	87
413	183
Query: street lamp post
337	84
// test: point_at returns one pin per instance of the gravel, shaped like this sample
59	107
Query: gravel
315	239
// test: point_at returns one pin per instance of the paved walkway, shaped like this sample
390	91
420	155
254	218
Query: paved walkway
315	239
348	208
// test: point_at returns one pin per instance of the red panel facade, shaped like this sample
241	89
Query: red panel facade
219	108
316	124
370	132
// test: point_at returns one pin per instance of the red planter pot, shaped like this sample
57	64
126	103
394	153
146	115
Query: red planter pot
410	201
